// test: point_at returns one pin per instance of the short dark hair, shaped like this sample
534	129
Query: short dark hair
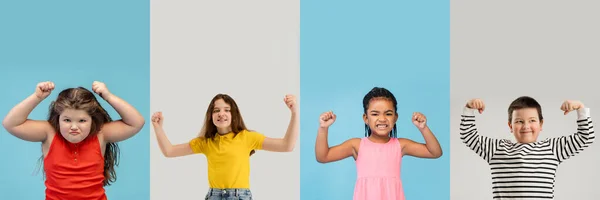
524	102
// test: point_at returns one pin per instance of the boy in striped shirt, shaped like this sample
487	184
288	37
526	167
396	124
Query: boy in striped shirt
525	169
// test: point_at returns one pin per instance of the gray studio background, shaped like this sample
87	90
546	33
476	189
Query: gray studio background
247	49
501	50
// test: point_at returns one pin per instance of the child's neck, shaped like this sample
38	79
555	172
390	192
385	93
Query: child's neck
379	139
526	142
223	131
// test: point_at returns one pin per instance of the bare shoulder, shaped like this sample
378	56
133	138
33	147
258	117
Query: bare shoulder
353	142
47	143
403	142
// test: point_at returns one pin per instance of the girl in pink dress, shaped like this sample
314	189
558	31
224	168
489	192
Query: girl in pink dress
379	154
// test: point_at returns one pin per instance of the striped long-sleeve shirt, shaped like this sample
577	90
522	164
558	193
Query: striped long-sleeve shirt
525	171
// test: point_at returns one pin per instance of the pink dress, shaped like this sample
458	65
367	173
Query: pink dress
378	171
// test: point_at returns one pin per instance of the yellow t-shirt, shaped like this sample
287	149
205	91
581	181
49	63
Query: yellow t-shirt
229	157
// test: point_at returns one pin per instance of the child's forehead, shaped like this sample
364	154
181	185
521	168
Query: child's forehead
74	113
221	104
525	112
383	105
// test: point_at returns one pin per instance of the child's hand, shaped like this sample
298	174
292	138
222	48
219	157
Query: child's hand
326	119
570	105
419	120
157	119
476	104
290	102
43	89
100	89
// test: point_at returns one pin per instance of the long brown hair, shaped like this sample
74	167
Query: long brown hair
209	129
83	99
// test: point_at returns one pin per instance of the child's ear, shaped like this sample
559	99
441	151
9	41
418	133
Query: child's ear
510	126
365	119
541	123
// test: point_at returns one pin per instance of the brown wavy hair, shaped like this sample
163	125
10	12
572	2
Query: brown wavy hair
209	129
82	99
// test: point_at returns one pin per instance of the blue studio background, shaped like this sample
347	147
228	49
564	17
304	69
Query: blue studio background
73	43
349	47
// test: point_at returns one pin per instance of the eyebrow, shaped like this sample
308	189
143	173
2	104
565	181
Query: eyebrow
527	118
376	111
68	117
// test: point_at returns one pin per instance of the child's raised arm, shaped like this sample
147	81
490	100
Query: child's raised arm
287	143
567	146
431	148
16	122
130	124
323	152
165	145
483	146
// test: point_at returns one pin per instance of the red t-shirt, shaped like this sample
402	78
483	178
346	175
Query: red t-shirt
74	171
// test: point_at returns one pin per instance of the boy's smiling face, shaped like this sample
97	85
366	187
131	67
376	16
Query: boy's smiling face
525	125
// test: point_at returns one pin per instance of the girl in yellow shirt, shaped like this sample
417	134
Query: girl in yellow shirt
228	145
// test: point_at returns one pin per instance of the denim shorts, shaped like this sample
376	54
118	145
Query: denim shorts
228	194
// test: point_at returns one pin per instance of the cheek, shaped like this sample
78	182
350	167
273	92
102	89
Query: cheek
64	126
86	126
536	127
372	121
516	127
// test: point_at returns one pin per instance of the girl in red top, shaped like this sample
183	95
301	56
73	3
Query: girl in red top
79	139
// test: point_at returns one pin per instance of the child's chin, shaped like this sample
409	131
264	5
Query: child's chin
74	140
222	126
382	133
